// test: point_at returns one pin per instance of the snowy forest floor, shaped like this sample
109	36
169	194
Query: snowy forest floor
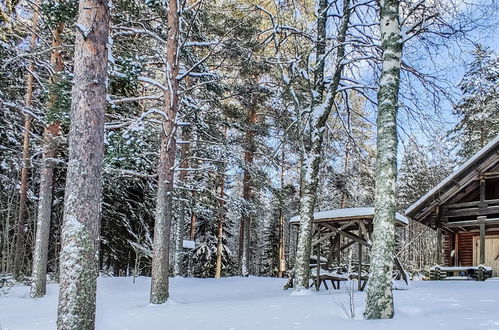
260	303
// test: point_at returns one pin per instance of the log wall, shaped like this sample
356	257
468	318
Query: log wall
465	247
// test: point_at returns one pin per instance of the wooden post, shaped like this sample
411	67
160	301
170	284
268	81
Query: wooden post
359	270
482	190
482	239
439	245
359	281
456	249
439	236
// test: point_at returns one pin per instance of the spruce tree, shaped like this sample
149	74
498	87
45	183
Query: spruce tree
478	110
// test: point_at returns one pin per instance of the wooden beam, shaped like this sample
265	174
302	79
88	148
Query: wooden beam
467	223
476	211
348	235
471	204
325	237
482	191
359	270
346	245
482	221
398	265
364	229
439	236
439	245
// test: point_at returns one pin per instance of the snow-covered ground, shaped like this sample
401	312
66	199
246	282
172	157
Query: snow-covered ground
261	303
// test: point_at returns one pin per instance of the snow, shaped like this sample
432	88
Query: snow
188	244
339	214
260	303
492	144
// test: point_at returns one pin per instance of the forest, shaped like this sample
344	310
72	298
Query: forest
161	139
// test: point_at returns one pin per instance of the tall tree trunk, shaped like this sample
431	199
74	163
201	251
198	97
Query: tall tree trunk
23	192
281	259
179	234
318	117
245	229
52	130
163	215
83	194
344	196
39	272
379	303
221	217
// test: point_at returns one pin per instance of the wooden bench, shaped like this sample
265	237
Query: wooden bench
334	278
479	273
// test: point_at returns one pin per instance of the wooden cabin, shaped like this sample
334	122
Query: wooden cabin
464	210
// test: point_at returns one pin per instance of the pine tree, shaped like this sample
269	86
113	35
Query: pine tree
82	211
51	134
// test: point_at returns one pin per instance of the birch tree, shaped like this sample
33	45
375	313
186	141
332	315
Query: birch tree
82	210
379	302
320	109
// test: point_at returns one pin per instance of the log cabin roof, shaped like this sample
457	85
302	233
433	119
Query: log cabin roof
462	181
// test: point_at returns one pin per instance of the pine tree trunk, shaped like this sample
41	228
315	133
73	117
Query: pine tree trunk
39	269
379	303
39	272
220	231
79	258
318	117
245	232
218	263
23	191
163	215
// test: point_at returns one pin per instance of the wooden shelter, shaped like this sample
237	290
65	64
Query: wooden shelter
464	210
354	225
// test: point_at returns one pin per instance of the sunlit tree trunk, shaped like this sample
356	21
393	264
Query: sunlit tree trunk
379	303
79	259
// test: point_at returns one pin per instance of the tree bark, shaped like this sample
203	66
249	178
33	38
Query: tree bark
79	258
218	263
23	191
281	259
379	302
245	231
319	114
39	271
51	132
163	215
179	234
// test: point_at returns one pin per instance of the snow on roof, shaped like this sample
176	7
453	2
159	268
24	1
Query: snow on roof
357	212
454	174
